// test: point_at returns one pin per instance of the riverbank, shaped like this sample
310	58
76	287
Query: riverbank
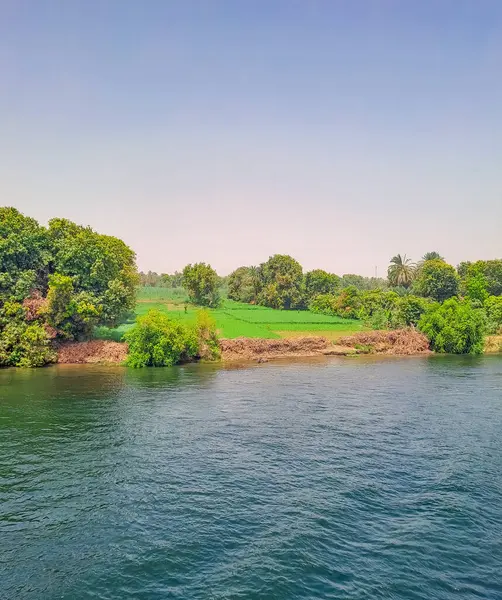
404	342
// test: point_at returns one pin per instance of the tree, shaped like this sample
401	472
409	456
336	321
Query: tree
240	285
282	278
363	283
437	280
431	256
409	310
66	278
454	327
490	269
401	271
24	255
320	282
476	287
493	310
201	283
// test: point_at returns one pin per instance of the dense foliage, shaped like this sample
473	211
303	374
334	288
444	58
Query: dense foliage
455	327
58	282
282	283
437	280
201	283
159	341
320	282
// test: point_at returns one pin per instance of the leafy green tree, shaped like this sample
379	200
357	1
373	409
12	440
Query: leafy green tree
345	304
454	327
401	271
282	278
408	311
201	283
241	285
22	344
320	282
24	255
373	301
476	287
493	310
490	269
437	280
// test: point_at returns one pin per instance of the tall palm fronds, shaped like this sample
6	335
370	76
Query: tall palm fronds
401	271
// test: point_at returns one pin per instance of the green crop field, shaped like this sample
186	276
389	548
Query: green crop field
235	319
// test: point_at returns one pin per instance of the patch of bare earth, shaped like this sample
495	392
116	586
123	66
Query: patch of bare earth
261	349
95	351
401	342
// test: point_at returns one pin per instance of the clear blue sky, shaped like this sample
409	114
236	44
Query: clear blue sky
341	132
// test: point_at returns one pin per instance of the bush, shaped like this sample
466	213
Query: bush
158	341
346	304
207	338
493	311
408	311
454	327
22	344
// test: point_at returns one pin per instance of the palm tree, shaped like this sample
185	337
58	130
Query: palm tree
401	271
431	256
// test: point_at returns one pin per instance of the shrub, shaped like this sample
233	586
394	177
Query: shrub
346	304
408	311
207	338
158	341
493	311
454	327
22	344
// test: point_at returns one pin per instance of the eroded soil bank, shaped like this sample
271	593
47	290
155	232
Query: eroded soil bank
400	342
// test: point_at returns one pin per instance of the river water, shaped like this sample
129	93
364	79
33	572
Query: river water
332	478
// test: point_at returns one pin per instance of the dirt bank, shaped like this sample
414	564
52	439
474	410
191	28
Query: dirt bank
400	342
260	349
95	351
403	342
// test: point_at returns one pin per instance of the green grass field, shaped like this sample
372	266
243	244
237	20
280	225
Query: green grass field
234	319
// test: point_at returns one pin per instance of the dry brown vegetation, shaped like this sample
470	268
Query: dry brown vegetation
259	349
493	344
95	351
399	342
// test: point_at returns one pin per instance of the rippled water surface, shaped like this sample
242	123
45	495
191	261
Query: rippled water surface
329	479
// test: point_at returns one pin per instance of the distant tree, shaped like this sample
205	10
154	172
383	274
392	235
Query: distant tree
282	278
401	271
437	280
240	285
454	327
490	269
320	282
363	283
201	283
431	256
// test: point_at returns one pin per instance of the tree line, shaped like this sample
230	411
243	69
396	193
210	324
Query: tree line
454	307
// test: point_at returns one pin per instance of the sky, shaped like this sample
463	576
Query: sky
340	132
